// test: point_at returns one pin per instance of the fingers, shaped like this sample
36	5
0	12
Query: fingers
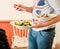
18	7
15	5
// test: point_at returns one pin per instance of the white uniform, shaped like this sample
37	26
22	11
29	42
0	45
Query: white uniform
46	7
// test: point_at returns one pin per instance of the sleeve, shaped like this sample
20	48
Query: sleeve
55	4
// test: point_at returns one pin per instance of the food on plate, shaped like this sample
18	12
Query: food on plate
43	15
17	23
22	23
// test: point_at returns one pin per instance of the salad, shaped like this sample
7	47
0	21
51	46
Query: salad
22	23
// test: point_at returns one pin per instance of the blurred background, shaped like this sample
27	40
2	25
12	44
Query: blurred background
8	13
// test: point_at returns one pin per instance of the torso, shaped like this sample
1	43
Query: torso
42	7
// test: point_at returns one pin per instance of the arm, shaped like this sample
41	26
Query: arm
53	20
20	7
44	24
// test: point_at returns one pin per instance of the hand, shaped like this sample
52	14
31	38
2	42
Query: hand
39	24
19	7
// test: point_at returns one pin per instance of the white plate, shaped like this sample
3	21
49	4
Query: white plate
20	27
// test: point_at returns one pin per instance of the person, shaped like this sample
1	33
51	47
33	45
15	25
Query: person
3	40
41	35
